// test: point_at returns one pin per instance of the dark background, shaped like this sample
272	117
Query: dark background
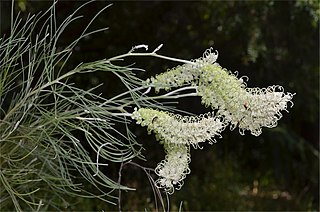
272	42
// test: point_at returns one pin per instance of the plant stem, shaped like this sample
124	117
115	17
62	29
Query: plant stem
152	54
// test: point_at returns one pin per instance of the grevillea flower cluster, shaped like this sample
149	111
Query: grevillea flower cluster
235	105
177	129
177	133
248	108
174	168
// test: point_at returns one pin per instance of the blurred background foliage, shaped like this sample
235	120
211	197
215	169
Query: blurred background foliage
272	42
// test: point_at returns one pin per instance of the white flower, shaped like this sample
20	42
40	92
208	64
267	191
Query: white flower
249	108
176	129
173	170
264	106
177	133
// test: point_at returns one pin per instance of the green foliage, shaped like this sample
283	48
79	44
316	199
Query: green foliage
44	118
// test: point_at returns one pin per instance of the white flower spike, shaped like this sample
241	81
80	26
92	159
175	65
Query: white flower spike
249	108
173	170
176	129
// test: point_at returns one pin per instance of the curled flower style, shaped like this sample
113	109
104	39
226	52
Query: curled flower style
183	75
174	168
210	56
176	129
249	108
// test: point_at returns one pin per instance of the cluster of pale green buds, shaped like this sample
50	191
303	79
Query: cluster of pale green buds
235	105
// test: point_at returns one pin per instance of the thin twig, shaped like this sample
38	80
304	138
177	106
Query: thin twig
119	182
152	54
97	160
